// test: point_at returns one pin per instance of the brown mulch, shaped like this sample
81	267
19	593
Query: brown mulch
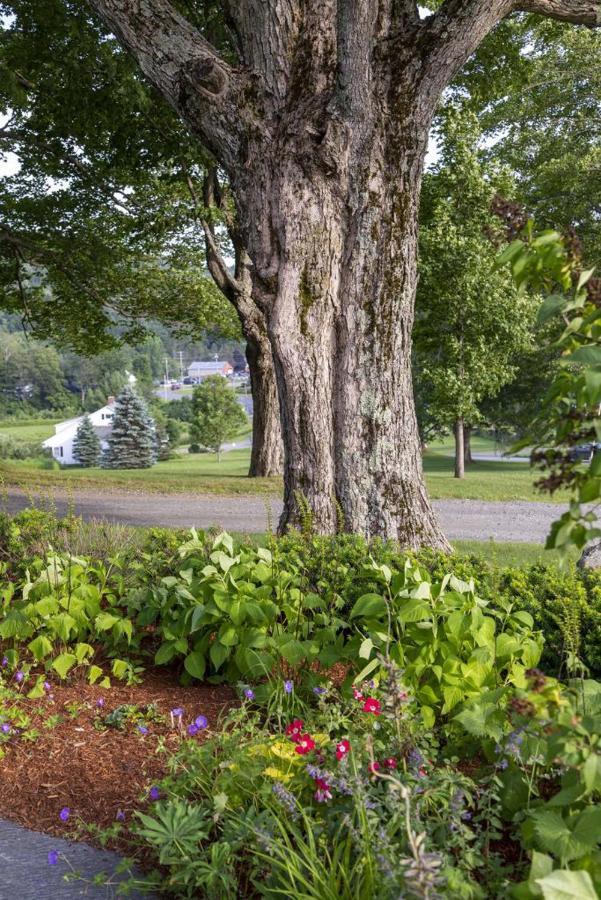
98	772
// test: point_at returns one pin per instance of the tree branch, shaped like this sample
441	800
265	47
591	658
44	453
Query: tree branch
578	12
449	37
186	69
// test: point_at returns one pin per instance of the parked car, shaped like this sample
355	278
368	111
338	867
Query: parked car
584	452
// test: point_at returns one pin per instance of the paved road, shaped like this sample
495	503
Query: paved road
461	519
26	875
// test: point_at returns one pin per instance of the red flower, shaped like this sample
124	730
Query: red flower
304	744
323	792
342	748
294	730
422	772
390	763
374	767
372	706
357	694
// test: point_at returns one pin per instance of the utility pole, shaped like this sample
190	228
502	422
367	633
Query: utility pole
166	382
181	365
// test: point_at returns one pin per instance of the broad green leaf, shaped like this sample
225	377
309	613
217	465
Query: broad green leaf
64	663
369	605
567	885
586	355
195	664
165	653
40	647
551	306
413	610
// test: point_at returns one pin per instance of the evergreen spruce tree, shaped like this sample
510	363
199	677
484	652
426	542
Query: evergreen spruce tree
132	444
86	444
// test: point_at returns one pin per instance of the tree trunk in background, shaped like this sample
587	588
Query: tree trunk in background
467	445
267	455
459	450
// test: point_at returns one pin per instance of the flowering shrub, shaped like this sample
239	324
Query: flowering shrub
356	799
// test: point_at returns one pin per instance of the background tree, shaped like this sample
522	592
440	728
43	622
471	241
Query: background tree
217	414
471	322
132	442
313	110
123	234
86	444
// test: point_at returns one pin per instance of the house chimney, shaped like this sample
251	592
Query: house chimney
110	401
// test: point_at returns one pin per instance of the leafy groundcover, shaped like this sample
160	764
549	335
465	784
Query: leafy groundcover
260	722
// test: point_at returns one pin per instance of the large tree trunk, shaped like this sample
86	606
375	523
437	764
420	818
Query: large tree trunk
459	450
339	316
321	125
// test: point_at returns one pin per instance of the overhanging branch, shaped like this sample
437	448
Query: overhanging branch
185	68
449	37
578	12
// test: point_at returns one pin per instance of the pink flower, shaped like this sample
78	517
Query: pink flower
357	694
294	730
372	706
342	748
304	744
323	792
390	762
422	772
374	767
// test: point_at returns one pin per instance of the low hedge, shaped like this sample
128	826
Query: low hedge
565	604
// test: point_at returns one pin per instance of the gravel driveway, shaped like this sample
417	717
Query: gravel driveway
461	519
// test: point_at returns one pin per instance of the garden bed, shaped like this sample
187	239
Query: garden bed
93	769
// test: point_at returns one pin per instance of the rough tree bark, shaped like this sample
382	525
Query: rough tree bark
322	127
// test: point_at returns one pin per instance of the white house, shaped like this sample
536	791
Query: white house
61	442
200	370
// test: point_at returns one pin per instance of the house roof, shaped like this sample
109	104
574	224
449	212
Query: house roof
215	364
64	431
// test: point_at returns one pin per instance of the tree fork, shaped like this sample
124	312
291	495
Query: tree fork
329	104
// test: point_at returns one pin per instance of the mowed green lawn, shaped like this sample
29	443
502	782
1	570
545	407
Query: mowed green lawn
203	473
30	430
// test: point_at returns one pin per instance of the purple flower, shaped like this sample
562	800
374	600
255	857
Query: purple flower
142	729
100	701
285	798
288	686
503	764
120	817
19	677
249	694
177	713
319	691
64	814
154	792
47	686
192	729
5	660
6	729
201	722
466	816
52	857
